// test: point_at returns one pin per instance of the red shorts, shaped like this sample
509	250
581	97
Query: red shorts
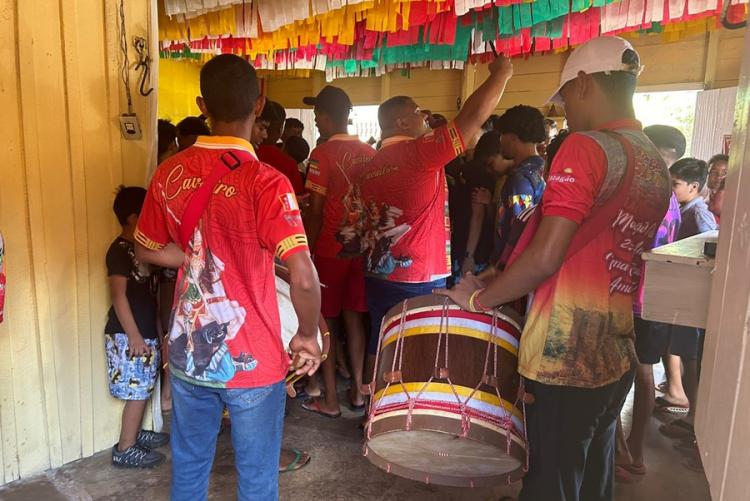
344	281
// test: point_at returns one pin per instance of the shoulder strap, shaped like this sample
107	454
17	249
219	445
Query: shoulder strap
612	195
196	206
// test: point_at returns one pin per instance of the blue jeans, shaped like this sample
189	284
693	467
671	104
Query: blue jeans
257	422
383	295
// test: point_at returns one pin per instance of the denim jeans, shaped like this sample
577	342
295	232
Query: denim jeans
383	295
257	422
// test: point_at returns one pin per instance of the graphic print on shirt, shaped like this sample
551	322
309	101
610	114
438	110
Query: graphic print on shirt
206	320
381	233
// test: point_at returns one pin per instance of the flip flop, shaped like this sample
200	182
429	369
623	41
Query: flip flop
301	459
622	475
635	469
662	387
356	408
677	429
313	405
664	405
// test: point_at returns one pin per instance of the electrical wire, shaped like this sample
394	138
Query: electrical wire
125	70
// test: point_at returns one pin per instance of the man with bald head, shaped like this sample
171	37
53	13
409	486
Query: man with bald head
406	235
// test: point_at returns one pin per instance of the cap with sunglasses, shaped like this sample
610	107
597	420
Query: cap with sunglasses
330	98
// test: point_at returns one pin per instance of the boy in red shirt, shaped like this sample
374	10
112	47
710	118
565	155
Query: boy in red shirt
576	352
331	221
406	228
225	345
270	152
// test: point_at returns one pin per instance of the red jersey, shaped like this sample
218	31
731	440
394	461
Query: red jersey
406	235
334	169
579	327
273	156
225	330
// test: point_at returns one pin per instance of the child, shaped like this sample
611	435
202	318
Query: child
131	338
688	179
717	175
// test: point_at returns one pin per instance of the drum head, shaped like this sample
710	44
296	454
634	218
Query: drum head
443	458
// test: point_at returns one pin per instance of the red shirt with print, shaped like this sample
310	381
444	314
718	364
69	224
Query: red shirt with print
579	327
334	169
226	330
276	158
406	234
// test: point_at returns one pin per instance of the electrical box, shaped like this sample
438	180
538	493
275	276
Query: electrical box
129	126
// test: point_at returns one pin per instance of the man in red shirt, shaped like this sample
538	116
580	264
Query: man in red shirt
606	195
406	228
225	345
331	223
270	152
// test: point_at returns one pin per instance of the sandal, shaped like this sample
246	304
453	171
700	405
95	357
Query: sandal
662	387
300	460
313	405
677	429
635	469
664	405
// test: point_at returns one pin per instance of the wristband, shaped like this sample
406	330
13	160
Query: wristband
478	305
474	305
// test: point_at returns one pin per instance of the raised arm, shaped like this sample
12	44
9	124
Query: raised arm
480	105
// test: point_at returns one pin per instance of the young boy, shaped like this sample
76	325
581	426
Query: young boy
131	338
688	180
689	176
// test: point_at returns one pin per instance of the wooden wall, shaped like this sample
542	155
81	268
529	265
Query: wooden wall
61	159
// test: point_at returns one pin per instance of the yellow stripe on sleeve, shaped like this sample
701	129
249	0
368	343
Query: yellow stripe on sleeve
290	243
147	242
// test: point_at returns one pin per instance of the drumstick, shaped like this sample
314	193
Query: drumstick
492	46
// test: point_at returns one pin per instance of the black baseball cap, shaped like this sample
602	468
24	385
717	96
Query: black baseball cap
330	99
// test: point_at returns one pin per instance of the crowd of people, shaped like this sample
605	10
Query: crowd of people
485	209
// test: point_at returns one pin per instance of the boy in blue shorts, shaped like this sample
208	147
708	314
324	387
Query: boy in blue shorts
131	338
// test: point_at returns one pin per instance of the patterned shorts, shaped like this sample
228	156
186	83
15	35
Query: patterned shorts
131	378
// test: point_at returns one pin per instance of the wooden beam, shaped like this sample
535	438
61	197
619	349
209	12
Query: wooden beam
712	54
385	87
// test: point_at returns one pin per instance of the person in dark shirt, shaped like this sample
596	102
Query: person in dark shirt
472	220
522	128
292	127
131	337
166	138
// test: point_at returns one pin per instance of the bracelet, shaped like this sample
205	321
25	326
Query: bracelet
474	305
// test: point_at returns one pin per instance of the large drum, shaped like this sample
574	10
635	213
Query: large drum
445	407
290	323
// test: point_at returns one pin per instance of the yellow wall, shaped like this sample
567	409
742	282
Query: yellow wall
179	84
61	159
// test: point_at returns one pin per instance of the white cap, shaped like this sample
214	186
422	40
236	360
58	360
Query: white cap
598	55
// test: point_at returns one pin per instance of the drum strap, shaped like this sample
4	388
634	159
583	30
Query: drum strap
610	199
198	203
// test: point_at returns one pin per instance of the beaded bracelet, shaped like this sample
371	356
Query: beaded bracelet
474	305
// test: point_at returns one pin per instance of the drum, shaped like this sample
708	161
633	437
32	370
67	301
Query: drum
444	407
289	323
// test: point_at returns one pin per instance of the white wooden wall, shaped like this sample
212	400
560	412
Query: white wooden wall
714	119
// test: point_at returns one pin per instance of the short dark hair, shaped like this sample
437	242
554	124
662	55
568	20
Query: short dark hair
667	137
295	123
273	113
166	133
193	126
620	85
389	107
487	146
524	121
129	200
720	157
297	148
690	170
229	88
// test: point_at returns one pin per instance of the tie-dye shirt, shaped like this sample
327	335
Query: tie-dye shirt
579	328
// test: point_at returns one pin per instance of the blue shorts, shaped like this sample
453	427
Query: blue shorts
383	295
131	378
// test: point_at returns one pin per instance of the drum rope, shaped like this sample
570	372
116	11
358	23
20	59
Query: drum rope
373	405
465	418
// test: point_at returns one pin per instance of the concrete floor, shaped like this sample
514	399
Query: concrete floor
337	472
